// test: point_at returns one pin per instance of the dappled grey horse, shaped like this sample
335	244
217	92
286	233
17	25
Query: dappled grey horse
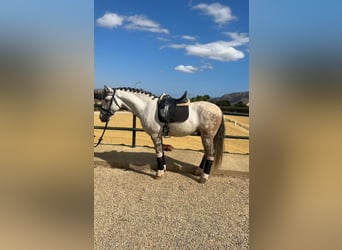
204	118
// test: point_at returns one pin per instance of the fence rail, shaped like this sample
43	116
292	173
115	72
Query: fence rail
134	129
235	113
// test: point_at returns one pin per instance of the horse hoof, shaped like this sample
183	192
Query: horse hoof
159	174
198	172
202	180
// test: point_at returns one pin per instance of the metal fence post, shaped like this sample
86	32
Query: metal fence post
134	132
134	128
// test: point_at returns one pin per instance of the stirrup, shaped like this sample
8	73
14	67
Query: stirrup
166	131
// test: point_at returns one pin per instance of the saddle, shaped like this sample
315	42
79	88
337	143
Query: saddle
172	110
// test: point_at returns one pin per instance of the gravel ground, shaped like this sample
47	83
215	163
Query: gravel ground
135	211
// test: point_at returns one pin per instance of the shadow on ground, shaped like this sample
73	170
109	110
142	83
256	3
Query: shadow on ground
139	162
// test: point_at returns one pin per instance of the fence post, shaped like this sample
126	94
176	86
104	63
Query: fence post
134	132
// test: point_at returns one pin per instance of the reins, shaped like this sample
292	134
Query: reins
101	137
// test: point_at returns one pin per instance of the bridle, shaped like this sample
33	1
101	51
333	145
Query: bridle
108	113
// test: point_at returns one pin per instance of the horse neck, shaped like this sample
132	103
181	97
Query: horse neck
134	102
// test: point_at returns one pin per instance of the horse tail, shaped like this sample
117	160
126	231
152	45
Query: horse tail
219	144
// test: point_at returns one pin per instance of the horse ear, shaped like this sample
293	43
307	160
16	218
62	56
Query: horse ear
108	89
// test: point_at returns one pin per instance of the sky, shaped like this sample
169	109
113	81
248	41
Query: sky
168	47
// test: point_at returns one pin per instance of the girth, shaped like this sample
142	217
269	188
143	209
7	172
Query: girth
172	110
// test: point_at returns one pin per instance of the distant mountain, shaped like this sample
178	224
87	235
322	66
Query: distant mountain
234	98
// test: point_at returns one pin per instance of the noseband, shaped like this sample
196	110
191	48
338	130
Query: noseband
108	112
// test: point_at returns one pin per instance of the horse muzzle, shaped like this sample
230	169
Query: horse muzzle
104	117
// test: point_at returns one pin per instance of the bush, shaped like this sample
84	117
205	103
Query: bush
223	103
200	98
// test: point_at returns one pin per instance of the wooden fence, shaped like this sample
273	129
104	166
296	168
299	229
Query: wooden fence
134	129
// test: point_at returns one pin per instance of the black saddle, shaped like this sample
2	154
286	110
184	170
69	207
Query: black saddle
172	110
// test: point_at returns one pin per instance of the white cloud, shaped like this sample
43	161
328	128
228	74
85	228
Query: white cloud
220	50
140	22
110	20
238	38
163	39
175	46
136	22
191	38
186	69
221	14
206	66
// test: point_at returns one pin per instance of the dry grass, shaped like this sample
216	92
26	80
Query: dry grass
124	119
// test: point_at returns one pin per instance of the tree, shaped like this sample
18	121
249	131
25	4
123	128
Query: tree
200	98
206	98
223	103
240	104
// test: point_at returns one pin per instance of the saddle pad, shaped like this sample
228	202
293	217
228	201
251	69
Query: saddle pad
181	114
169	112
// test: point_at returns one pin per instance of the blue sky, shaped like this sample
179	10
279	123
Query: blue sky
172	46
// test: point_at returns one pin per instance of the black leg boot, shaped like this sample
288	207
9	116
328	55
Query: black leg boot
206	171
161	166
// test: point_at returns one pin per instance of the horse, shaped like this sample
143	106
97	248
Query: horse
204	118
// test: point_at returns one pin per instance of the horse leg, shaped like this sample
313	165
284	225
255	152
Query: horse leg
200	168
208	158
161	164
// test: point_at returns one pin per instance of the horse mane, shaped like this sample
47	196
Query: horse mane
138	91
98	94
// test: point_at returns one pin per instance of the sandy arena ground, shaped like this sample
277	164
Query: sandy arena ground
235	125
132	210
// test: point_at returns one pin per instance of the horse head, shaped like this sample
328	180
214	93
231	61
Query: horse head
109	104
